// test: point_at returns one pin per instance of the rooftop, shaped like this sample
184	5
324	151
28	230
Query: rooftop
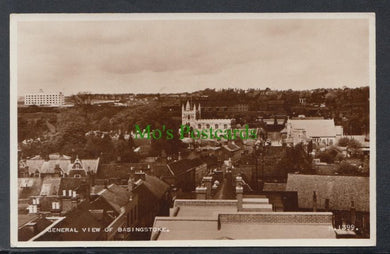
340	190
315	127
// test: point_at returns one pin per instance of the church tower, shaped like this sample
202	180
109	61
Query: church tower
188	114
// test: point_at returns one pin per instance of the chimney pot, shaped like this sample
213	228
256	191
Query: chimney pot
201	192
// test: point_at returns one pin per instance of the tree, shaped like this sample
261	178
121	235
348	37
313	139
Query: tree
347	169
343	141
104	124
295	159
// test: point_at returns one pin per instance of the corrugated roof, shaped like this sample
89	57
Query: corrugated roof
316	127
340	190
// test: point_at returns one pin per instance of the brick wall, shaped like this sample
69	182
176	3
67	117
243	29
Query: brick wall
275	217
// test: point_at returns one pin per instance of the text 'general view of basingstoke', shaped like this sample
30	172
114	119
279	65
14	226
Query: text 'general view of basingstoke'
85	174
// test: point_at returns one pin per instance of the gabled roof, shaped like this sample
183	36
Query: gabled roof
79	218
231	147
116	196
50	186
315	127
42	166
91	165
69	183
25	233
156	186
29	187
340	190
182	166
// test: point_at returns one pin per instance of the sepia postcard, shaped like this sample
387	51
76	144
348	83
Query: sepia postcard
217	129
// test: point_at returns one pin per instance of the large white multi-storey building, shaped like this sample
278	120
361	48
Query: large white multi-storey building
44	99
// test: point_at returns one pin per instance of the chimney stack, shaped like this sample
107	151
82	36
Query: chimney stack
140	175
239	192
207	180
353	213
201	192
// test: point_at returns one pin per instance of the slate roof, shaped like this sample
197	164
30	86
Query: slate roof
81	217
182	166
315	127
116	196
29	187
161	170
25	233
340	190
69	183
120	170
42	166
274	187
156	186
50	186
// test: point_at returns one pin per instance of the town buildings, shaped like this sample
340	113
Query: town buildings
240	218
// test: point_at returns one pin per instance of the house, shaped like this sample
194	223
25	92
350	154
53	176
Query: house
188	173
231	151
72	226
154	199
320	131
333	191
60	166
346	196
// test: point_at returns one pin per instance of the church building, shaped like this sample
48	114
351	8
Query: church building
191	115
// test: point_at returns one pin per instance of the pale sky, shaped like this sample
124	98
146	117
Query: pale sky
163	56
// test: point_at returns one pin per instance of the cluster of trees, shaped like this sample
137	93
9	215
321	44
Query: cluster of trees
72	124
295	159
333	154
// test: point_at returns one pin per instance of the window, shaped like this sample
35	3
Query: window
34	201
207	126
199	126
64	193
216	126
327	204
225	126
32	209
70	193
55	205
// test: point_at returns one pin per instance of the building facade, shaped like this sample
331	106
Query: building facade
191	115
44	99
